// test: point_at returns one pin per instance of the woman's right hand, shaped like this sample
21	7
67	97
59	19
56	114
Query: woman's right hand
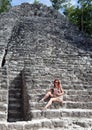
52	95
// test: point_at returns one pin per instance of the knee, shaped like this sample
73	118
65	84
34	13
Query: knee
49	93
61	101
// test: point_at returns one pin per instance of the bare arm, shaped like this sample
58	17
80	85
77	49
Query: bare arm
49	89
61	92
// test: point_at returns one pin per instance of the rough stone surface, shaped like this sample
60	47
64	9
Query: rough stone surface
38	45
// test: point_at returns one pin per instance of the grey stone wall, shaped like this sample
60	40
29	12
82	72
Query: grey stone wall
3	94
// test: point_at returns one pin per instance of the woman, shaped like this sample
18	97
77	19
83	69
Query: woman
56	94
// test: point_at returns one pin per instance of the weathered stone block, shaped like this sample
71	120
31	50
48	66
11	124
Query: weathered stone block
52	114
47	124
32	125
15	126
3	126
58	123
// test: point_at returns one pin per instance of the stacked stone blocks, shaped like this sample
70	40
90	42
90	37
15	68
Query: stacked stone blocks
3	94
41	46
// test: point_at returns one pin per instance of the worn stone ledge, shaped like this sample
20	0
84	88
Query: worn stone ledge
47	123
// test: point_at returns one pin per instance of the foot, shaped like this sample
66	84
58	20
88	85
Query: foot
41	100
44	108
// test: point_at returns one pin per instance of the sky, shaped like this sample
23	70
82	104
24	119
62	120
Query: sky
18	2
46	2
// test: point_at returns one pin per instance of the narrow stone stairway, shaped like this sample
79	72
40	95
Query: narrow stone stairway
15	112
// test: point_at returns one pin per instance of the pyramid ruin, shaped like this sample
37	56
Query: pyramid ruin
38	45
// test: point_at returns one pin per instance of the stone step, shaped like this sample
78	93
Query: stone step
14	100
15	86
66	104
15	106
68	92
76	98
14	89
79	92
51	114
14	114
17	95
50	124
58	124
12	119
83	105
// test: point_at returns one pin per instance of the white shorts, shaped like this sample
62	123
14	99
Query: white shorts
60	98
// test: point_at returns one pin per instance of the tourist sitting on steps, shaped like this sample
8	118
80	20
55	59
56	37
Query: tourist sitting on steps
56	94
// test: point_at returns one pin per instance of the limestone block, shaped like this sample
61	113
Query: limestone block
58	123
47	124
32	125
52	114
36	114
15	126
3	126
82	124
3	116
3	96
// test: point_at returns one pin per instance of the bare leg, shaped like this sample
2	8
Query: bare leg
50	102
46	96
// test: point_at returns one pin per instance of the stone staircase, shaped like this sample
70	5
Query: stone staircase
74	113
82	101
15	112
66	116
15	105
77	107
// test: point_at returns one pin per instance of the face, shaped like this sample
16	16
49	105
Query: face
56	83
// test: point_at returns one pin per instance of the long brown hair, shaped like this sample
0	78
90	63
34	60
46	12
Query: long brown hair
58	83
